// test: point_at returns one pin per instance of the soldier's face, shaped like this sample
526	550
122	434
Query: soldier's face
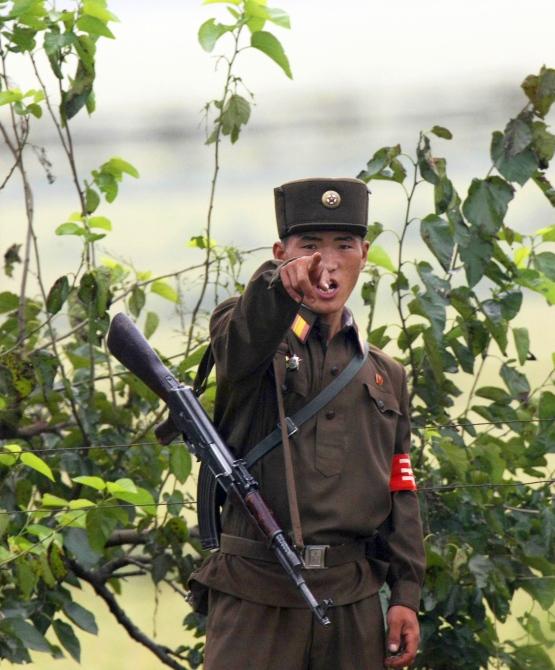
343	257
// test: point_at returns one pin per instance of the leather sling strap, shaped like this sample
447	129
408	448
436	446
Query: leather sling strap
289	471
308	411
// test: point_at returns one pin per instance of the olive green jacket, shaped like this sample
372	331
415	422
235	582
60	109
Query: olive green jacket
342	457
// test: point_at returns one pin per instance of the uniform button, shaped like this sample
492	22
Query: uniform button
330	414
334	371
284	388
381	405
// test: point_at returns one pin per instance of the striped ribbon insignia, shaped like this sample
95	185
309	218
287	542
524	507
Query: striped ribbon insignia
300	327
402	477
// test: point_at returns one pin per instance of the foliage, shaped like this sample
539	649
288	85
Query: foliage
456	310
77	435
77	438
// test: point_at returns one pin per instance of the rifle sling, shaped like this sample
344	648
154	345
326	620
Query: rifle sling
296	528
325	396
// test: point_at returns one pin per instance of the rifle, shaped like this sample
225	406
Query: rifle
131	349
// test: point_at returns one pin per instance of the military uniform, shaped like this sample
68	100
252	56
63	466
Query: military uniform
342	460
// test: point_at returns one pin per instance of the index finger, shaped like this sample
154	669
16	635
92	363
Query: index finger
315	267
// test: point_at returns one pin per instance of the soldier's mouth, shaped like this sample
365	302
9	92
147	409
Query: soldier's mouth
327	290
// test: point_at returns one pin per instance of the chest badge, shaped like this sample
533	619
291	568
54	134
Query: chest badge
292	362
379	379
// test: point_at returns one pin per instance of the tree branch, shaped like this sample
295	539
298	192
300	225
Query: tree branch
126	536
161	652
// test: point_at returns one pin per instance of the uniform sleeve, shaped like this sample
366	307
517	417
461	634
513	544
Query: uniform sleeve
404	536
246	331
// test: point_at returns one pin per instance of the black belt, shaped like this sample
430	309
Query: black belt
315	556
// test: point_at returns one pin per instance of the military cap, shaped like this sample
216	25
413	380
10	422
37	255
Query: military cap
322	203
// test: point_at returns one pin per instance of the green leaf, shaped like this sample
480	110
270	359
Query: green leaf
545	186
541	590
514	167
436	233
180	462
522	343
68	639
532	279
121	486
136	301
455	456
442	132
9	96
100	523
118	166
77	542
384	165
91	481
98	9
235	114
164	290
379	337
433	355
151	324
81	617
271	46
93	26
80	503
540	90
543	142
210	32
545	263
8	302
49	500
487	202
511	302
28	634
463	355
426	162
32	461
99	222
57	295
278	16
379	256
444	194
70	228
374	231
516	382
141	498
548	233
78	95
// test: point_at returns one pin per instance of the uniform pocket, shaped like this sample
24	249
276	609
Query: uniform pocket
331	441
386	403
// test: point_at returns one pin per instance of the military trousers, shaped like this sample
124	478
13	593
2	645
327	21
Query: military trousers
242	635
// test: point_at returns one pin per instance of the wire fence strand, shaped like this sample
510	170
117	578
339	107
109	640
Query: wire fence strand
424	489
54	451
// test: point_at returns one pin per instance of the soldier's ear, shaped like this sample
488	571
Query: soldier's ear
365	249
279	250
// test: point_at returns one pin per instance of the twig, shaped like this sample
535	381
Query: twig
161	652
215	173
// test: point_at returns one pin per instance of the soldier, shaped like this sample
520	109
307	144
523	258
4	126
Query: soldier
286	338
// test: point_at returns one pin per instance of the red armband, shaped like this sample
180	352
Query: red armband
402	477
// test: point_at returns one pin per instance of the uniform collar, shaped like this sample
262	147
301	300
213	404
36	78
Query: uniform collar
305	320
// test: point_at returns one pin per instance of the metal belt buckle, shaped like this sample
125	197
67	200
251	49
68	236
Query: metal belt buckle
314	556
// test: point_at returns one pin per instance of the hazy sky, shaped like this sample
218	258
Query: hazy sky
375	48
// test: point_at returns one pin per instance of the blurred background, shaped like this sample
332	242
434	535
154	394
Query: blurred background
366	75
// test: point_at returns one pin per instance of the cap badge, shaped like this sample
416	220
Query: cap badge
331	199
